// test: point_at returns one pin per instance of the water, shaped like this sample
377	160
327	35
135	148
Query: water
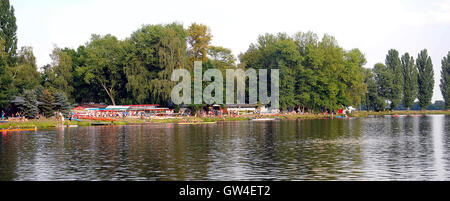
405	148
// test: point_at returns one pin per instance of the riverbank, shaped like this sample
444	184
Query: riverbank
50	123
401	112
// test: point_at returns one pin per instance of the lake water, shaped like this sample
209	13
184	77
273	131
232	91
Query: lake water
403	148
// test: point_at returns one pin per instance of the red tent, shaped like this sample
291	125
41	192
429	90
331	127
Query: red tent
79	108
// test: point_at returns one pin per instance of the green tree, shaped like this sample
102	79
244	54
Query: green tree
83	91
25	75
62	103
313	74
410	77
372	99
8	29
288	60
383	78
222	58
445	80
199	37
353	76
154	51
6	88
276	52
104	65
307	45
59	74
29	107
425	79
394	65
48	104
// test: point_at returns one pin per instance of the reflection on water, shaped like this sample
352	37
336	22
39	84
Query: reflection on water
405	148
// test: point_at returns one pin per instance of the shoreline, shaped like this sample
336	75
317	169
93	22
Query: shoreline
53	123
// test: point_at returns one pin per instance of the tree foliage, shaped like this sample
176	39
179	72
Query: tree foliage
199	37
6	88
445	80
372	99
410	76
62	103
394	66
48	104
29	107
25	75
425	79
104	64
384	81
313	74
58	75
8	29
154	51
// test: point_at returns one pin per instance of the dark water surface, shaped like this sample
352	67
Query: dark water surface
404	148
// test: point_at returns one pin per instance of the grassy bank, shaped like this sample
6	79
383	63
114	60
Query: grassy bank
401	112
49	123
34	123
203	119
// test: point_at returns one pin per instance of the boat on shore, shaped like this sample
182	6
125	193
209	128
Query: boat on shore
263	119
18	129
196	123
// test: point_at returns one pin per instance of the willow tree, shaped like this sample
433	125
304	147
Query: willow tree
152	53
425	79
172	55
410	76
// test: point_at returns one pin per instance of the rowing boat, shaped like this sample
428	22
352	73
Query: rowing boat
26	129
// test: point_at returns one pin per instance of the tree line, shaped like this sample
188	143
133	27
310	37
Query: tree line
401	79
315	74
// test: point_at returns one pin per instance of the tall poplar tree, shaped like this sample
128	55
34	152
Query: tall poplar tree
445	80
394	65
8	29
425	79
409	80
6	91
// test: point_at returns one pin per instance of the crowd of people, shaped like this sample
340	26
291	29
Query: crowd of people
18	116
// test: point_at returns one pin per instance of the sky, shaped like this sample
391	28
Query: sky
374	27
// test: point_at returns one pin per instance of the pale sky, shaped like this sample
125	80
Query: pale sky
372	26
